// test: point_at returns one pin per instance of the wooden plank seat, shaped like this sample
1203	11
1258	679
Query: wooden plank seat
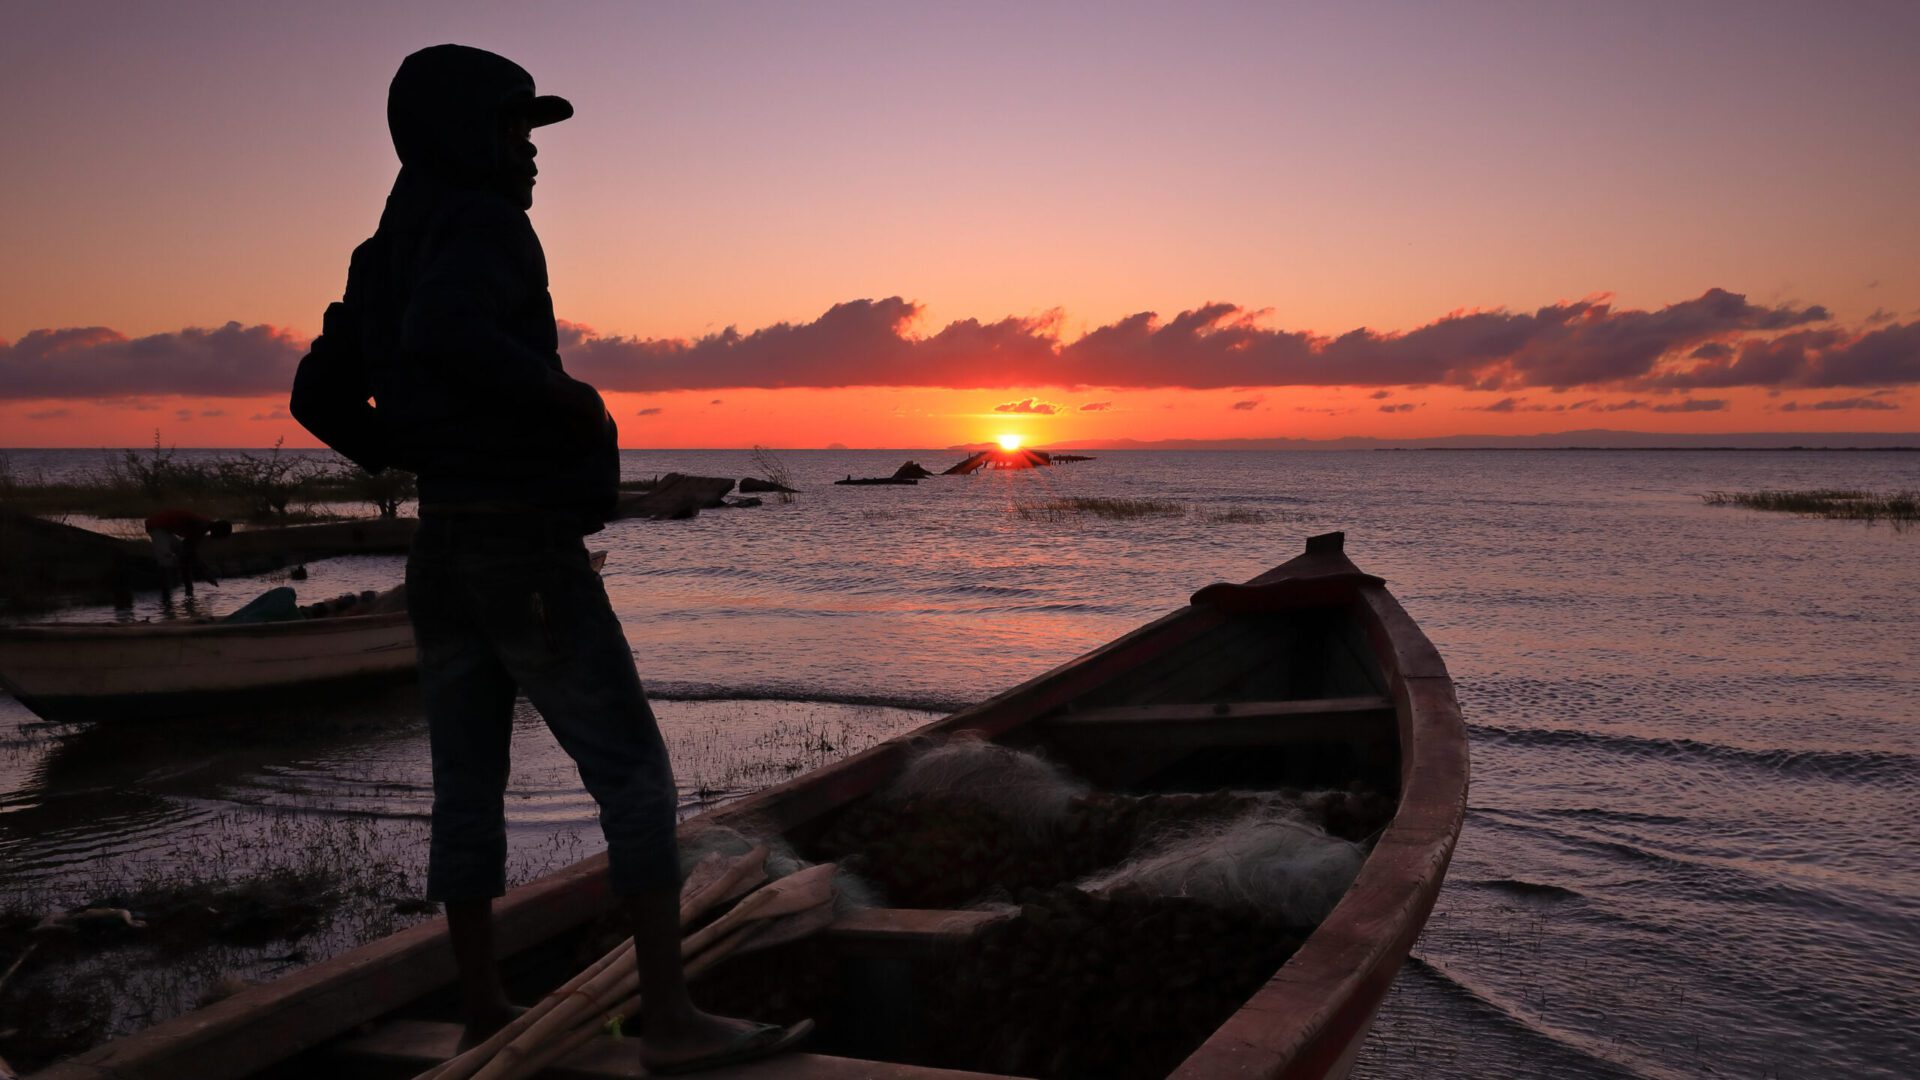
1248	723
420	1043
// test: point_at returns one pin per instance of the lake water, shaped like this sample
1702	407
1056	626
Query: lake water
1693	844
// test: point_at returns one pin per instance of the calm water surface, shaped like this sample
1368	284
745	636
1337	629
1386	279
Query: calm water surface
1692	842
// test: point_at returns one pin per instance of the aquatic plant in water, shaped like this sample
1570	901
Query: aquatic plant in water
1111	509
1851	504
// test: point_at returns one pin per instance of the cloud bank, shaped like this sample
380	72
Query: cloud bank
95	362
1717	340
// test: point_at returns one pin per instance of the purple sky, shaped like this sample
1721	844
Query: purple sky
1330	167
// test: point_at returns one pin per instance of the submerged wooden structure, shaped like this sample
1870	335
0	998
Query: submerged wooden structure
1000	458
1309	674
675	496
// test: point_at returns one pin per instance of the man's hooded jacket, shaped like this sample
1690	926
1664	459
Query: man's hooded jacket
447	323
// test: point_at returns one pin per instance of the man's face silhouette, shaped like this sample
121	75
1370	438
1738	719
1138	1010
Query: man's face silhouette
515	154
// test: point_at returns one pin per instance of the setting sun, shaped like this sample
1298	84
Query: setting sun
1009	442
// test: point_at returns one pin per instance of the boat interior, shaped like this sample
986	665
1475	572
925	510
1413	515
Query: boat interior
975	954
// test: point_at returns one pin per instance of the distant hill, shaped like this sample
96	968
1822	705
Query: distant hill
1590	438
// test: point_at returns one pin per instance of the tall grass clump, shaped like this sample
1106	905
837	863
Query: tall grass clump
274	487
773	470
385	491
1850	504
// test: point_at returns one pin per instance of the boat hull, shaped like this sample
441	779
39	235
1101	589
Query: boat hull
148	671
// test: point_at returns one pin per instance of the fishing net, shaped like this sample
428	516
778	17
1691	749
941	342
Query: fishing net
1020	786
1268	861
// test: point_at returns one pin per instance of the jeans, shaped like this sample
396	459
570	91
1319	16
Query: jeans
508	602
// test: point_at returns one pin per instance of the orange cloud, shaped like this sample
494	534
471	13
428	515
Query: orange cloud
1028	405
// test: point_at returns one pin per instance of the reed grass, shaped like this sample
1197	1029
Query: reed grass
264	488
1110	509
773	470
1851	504
1072	509
1238	515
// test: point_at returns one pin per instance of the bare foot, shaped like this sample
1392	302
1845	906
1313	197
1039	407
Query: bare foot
669	1043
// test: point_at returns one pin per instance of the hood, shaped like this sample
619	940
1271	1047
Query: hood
444	106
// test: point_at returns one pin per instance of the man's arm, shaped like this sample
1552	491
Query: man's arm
330	392
452	322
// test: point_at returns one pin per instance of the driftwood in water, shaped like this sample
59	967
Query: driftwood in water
676	496
866	481
753	485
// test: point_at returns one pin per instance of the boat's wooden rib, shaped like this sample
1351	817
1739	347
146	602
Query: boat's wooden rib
422	1043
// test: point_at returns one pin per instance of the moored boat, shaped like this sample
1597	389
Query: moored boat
1309	677
183	667
138	671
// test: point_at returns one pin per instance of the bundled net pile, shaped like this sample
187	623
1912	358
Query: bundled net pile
1137	923
1112	986
1134	924
969	823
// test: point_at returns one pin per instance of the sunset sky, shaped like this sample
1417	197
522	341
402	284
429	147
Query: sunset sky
919	225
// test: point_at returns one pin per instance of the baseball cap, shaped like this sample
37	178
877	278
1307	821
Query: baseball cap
443	77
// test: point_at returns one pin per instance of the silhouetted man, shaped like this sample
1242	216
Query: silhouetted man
448	326
176	536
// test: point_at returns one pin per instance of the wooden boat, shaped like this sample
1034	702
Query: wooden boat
144	671
1310	671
